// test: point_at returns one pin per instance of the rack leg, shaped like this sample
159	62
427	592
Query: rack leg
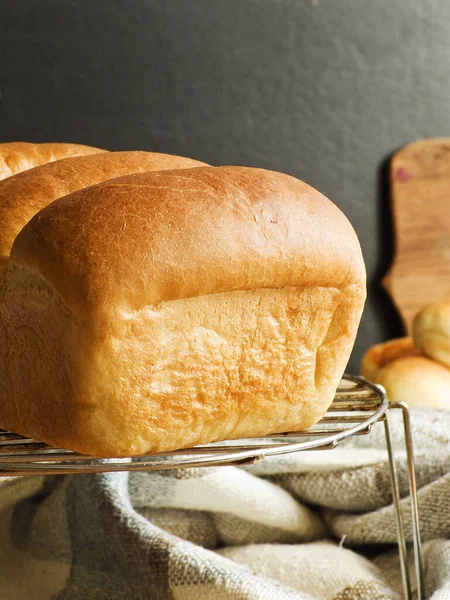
418	560
398	517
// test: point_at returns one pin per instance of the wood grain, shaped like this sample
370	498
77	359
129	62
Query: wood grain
420	198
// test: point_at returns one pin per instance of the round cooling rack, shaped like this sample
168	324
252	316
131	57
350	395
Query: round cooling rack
356	407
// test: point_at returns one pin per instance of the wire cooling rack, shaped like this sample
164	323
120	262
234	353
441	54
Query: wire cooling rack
357	406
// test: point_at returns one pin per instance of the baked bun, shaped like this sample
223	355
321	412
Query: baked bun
431	331
22	196
169	309
406	375
418	381
16	157
382	354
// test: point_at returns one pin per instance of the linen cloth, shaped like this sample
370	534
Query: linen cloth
312	525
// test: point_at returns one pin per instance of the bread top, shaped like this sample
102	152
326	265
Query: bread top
418	381
25	194
147	238
16	157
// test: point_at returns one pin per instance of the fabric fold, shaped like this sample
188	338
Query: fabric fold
313	525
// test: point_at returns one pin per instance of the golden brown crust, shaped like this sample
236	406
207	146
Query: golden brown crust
169	309
382	354
407	376
16	157
431	331
167	235
25	194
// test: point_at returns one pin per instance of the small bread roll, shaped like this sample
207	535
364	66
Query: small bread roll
418	381
382	354
431	331
406	375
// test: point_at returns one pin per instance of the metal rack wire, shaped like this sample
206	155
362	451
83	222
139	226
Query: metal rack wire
357	406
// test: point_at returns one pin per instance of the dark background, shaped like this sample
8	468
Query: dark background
324	90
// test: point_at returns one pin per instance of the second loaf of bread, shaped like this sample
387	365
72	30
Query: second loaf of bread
16	157
25	194
169	309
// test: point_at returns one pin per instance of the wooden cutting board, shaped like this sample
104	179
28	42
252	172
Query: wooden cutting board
420	197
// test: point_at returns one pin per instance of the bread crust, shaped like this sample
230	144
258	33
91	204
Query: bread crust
418	381
25	194
168	309
382	354
408	376
189	232
16	157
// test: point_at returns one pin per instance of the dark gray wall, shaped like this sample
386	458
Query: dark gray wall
324	90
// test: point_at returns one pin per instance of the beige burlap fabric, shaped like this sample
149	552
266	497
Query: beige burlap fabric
313	525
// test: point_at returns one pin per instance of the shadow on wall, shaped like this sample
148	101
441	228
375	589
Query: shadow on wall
385	308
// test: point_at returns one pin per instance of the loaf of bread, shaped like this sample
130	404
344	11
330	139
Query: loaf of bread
16	157
407	375
22	196
431	331
164	310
